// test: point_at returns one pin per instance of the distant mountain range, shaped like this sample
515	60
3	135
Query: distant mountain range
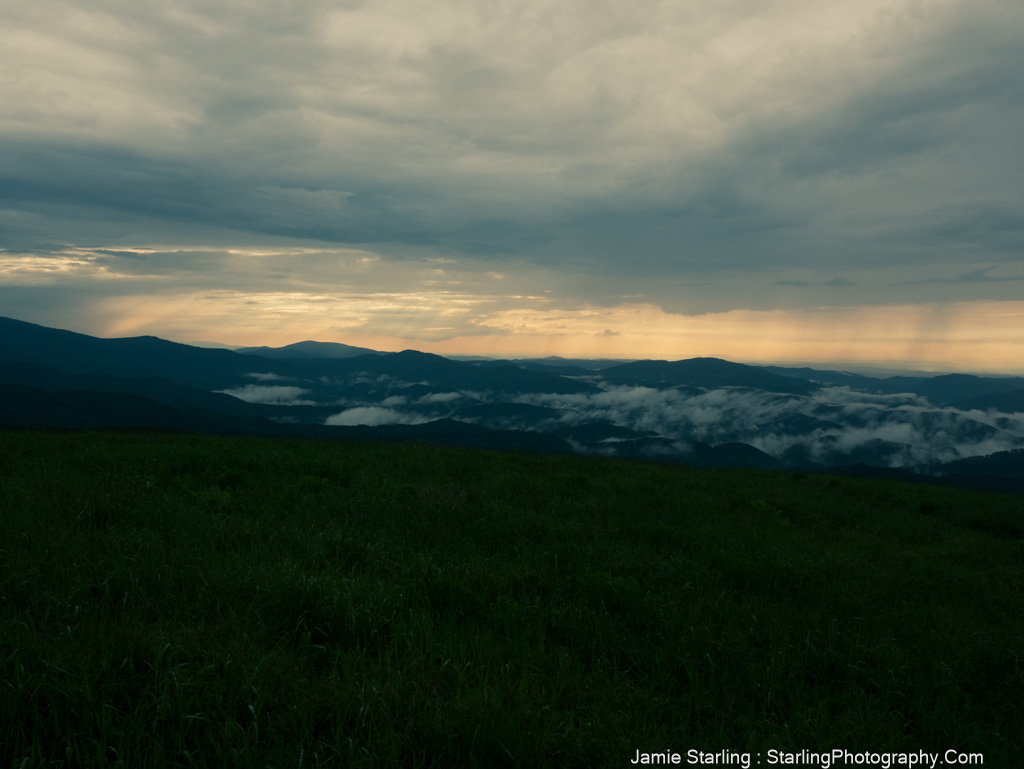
705	373
703	411
309	350
944	389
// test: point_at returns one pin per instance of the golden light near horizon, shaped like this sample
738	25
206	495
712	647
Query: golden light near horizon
959	336
789	180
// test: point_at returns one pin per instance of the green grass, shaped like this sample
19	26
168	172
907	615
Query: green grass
186	601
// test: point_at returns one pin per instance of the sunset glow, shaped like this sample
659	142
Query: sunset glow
788	181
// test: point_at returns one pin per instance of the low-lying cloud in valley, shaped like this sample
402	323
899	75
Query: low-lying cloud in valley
272	395
827	427
830	426
372	416
705	412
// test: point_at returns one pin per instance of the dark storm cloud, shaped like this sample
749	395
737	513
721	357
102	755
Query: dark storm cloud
835	283
980	275
656	149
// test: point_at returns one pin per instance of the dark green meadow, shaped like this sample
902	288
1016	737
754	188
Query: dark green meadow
170	600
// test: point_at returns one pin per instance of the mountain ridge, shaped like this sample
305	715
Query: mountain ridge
309	349
698	411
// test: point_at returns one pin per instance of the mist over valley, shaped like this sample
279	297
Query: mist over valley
703	412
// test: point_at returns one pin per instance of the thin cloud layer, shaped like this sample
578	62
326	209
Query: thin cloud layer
830	427
274	395
826	427
701	158
373	416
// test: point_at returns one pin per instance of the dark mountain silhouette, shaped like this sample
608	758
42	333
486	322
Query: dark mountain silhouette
55	378
22	406
694	453
211	369
597	433
834	378
197	366
566	370
877	452
798	424
1010	402
143	356
707	373
943	389
553	363
948	389
745	456
1006	464
63	350
410	366
417	391
588	364
309	349
508	416
154	388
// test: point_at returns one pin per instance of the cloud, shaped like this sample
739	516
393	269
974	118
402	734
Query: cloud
980	275
273	395
833	426
435	398
699	157
267	377
835	282
373	415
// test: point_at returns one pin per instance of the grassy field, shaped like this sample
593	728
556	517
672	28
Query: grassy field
172	600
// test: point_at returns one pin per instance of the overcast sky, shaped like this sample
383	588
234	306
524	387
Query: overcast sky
773	180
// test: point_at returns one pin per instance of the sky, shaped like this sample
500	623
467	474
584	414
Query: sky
769	181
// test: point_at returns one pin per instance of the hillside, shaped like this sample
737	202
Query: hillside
179	600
